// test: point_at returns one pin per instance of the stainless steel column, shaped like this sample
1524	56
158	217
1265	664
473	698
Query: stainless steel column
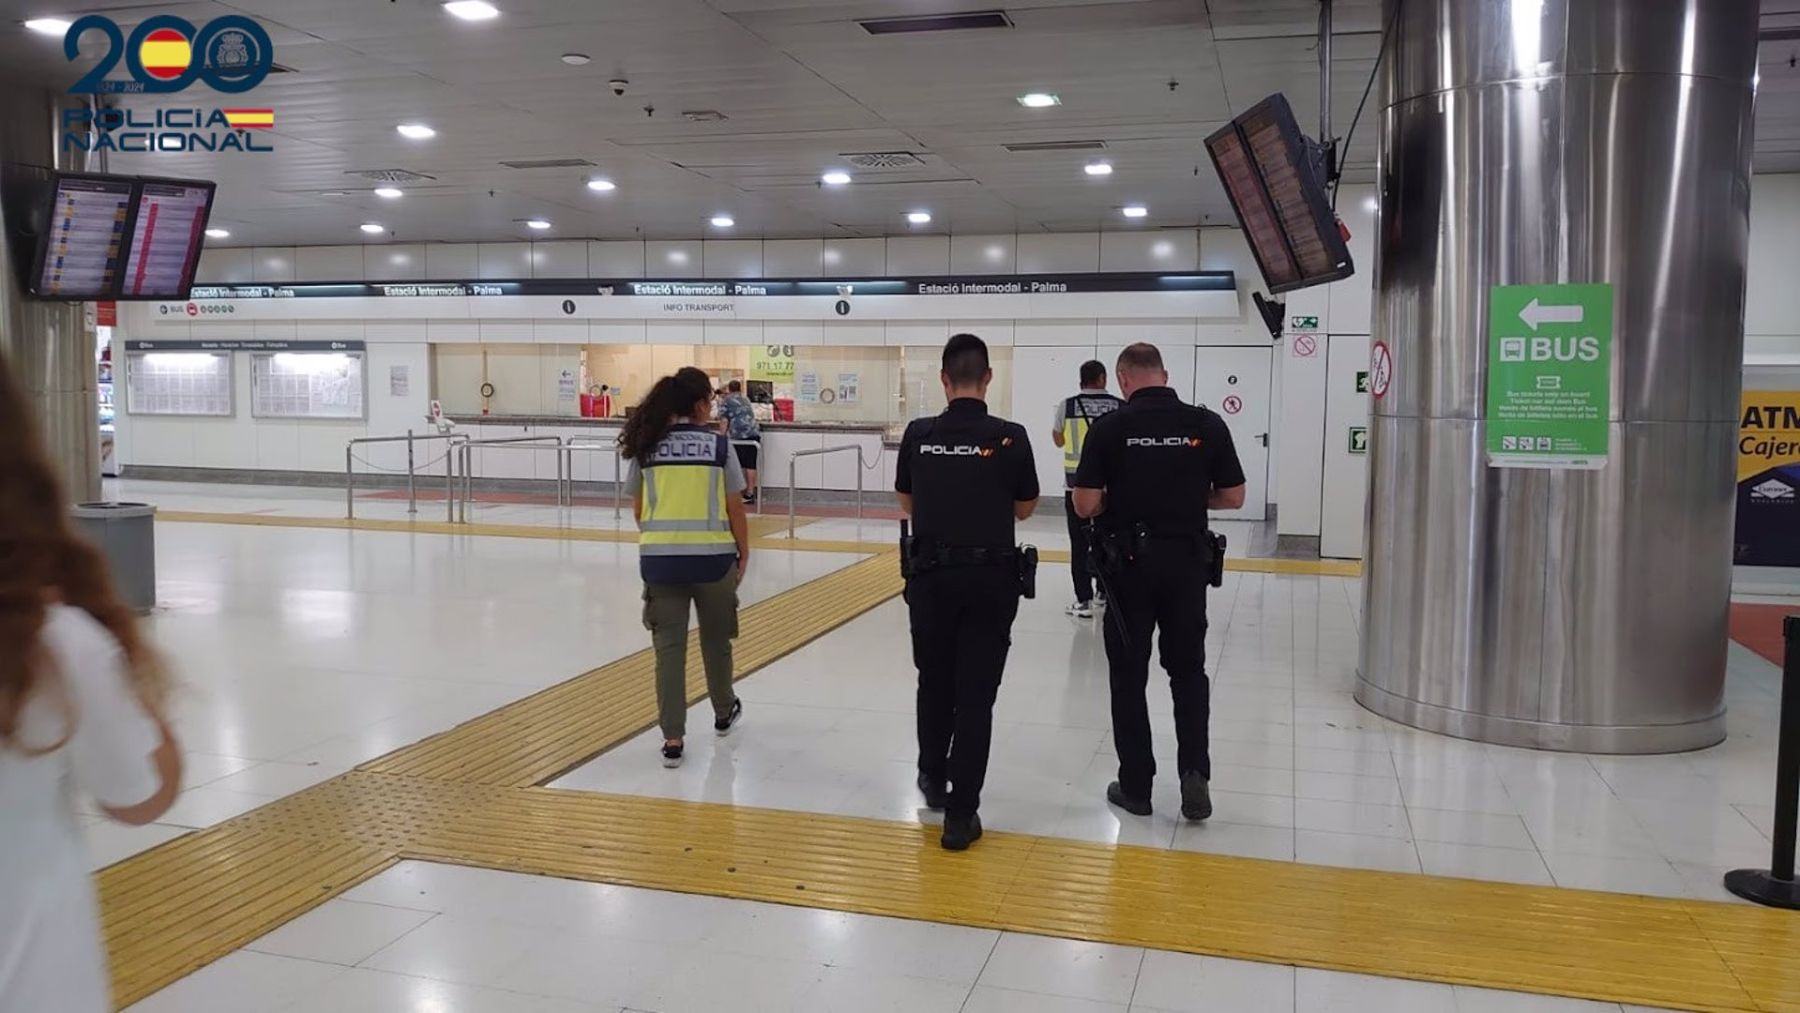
48	344
1538	141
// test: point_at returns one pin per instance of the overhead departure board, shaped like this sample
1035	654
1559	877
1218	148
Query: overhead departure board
1276	185
167	234
80	252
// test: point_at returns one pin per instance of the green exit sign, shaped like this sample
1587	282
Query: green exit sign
1305	323
1359	439
1362	381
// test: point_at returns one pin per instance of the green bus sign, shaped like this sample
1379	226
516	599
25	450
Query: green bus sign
1549	389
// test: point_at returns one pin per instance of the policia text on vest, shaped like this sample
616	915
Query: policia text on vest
965	478
1148	474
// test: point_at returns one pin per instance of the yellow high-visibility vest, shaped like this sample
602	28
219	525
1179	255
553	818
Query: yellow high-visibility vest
1079	413
684	499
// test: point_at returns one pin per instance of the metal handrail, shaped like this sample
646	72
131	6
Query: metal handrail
794	458
465	448
591	444
412	495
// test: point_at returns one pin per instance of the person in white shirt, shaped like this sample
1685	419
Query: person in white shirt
81	698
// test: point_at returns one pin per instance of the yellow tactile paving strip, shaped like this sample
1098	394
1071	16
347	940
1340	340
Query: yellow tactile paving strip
761	529
469	797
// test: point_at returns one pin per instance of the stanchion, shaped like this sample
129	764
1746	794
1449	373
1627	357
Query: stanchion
1775	886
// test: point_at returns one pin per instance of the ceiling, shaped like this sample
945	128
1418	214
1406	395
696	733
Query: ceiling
801	85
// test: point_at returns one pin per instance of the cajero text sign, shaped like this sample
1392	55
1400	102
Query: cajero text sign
1549	390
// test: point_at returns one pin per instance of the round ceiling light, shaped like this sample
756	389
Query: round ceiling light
416	131
373	228
723	221
601	185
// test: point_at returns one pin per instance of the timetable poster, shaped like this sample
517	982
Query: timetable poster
86	230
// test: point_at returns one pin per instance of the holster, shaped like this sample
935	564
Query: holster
1028	567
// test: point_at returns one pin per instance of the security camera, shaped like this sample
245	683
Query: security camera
618	85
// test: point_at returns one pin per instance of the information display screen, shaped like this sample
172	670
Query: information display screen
167	232
1278	192
81	249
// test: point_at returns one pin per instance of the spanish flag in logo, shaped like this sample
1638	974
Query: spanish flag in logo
250	119
165	54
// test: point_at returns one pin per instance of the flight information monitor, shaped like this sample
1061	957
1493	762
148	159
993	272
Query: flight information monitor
169	227
1277	187
82	246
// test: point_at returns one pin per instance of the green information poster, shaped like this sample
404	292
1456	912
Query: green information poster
1549	375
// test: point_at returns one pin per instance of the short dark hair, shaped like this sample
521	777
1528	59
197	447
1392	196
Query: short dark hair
1142	355
965	360
1093	372
735	386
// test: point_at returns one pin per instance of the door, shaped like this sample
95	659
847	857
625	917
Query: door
1235	382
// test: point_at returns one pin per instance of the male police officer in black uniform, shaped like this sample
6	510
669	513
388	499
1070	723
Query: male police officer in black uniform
1148	474
964	477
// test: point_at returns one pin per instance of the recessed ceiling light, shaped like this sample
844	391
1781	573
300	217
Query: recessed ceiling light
1134	211
918	217
602	185
723	221
390	192
1098	168
416	131
537	223
577	59
472	10
48	26
331	193
1039	100
373	228
218	233
835	177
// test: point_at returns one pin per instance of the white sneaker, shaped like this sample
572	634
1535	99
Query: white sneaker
1081	610
1099	599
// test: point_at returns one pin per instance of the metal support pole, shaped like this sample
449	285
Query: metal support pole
412	492
618	484
793	461
1325	72
860	471
450	482
349	482
1776	887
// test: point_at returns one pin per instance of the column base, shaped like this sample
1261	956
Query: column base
1503	731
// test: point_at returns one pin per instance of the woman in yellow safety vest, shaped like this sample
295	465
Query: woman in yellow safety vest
693	544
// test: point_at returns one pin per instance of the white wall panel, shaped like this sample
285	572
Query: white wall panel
675	332
1084	333
1352	301
998	333
226	266
503	261
452	331
615	259
616	332
794	332
1772	299
793	258
272	264
560	332
1042	377
399	262
507	332
854	332
1345	487
452	261
328	263
853	258
917	332
1162	333
324	330
1299	443
731	258
983	254
1059	253
1158	250
733	332
563	258
918	255
672	258
278	446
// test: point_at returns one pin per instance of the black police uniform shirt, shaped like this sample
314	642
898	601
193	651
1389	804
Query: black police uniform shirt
964	470
1158	460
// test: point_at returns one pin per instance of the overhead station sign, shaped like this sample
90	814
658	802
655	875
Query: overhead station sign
1549	390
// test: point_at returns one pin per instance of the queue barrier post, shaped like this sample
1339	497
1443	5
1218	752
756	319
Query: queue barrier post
1775	886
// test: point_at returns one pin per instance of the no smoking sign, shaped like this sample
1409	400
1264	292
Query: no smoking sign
1306	346
1232	405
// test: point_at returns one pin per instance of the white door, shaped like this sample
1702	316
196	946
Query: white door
1346	482
1235	382
1042	376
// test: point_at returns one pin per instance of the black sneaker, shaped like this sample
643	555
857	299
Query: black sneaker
671	755
1135	806
1196	800
960	831
723	725
936	797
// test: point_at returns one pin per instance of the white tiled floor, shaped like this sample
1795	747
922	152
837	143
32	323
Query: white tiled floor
424	938
1301	772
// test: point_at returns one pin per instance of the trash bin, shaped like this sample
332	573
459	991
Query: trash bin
126	535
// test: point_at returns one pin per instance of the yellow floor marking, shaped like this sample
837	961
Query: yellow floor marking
761	528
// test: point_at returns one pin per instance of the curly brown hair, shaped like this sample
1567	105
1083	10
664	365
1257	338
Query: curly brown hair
43	561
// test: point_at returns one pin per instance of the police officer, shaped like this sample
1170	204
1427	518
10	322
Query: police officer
1148	474
964	477
1074	415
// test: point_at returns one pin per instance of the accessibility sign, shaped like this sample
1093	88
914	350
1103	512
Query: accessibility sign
1549	390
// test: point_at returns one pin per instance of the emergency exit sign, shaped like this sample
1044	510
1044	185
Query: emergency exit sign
1305	323
1362	381
1359	439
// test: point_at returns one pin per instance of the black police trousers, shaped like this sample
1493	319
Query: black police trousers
961	631
1079	567
1163	593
